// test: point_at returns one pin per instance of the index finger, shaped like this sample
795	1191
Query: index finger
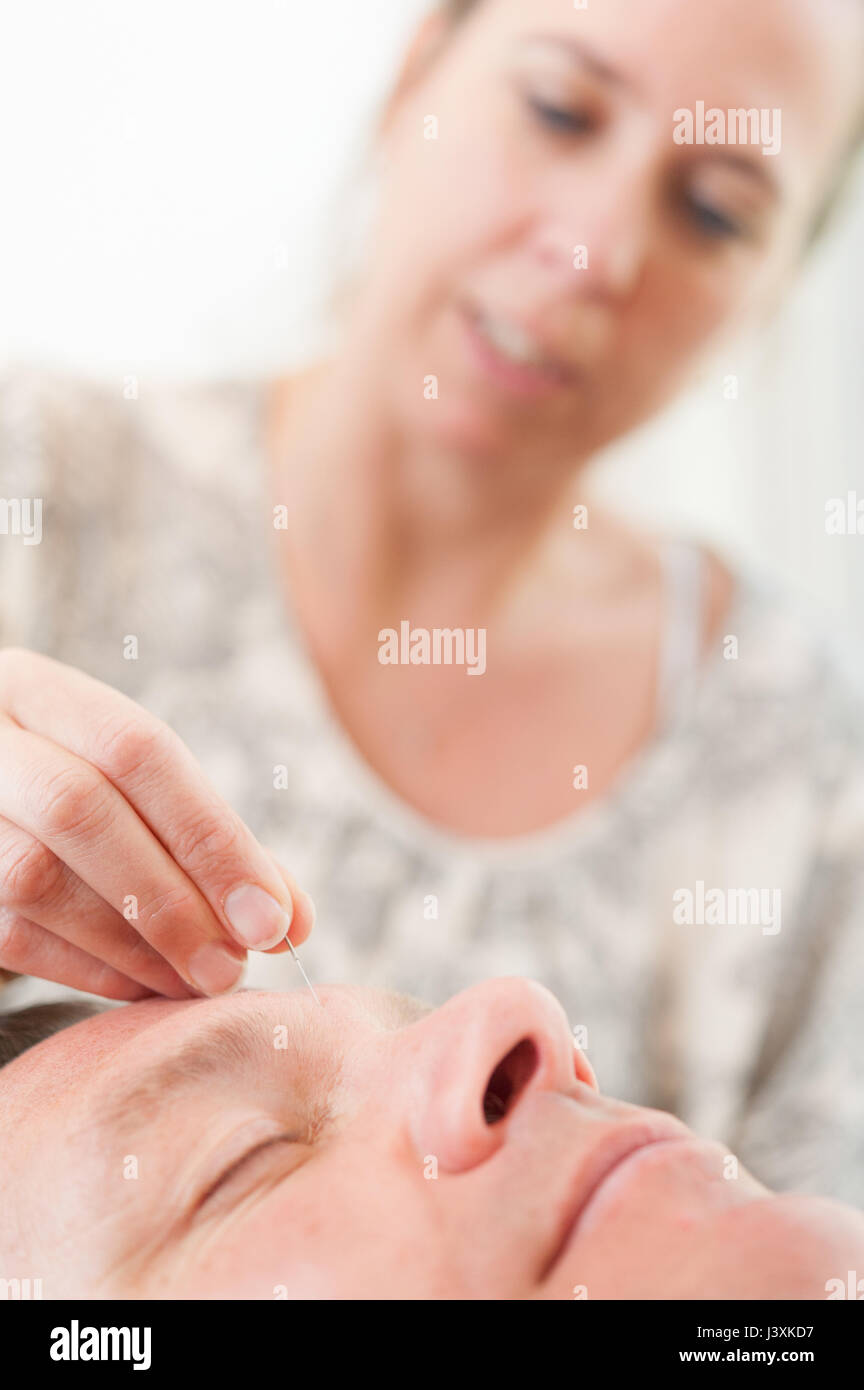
161	780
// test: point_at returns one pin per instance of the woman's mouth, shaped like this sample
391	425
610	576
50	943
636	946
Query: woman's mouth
513	357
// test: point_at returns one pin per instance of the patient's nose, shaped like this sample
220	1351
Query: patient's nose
474	1061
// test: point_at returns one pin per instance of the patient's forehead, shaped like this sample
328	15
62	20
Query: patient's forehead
126	1036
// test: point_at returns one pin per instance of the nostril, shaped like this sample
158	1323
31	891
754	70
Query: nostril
511	1076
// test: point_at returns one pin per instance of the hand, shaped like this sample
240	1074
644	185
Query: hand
122	872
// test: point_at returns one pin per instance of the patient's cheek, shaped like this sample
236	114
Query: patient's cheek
274	1278
288	1244
306	1281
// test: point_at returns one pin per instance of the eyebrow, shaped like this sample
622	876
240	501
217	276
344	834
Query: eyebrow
409	1009
585	56
224	1044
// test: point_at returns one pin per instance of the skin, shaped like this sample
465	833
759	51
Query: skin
457	515
373	1089
457	512
119	864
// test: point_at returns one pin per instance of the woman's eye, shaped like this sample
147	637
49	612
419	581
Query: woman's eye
561	118
712	221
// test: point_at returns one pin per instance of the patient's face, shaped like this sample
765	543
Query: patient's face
258	1146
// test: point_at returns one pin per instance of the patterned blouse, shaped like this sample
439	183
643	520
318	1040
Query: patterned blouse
701	924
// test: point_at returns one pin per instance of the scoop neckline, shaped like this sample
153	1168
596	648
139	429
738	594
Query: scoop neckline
406	821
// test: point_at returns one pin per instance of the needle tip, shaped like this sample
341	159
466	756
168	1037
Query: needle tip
305	976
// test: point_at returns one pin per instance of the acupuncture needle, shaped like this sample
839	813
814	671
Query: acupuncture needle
303	973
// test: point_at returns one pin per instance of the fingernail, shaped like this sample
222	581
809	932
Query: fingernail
257	920
213	969
310	909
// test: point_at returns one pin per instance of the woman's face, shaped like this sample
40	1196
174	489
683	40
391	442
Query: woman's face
552	128
258	1146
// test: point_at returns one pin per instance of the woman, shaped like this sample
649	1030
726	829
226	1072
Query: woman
233	559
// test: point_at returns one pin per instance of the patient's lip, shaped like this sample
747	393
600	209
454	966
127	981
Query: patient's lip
625	1141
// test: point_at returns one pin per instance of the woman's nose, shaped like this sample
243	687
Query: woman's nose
594	242
473	1062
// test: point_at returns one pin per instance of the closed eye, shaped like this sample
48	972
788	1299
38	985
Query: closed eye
560	118
712	221
239	1166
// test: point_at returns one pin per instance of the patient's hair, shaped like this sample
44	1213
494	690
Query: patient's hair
21	1029
835	199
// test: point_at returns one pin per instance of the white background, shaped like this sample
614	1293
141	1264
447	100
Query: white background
175	182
